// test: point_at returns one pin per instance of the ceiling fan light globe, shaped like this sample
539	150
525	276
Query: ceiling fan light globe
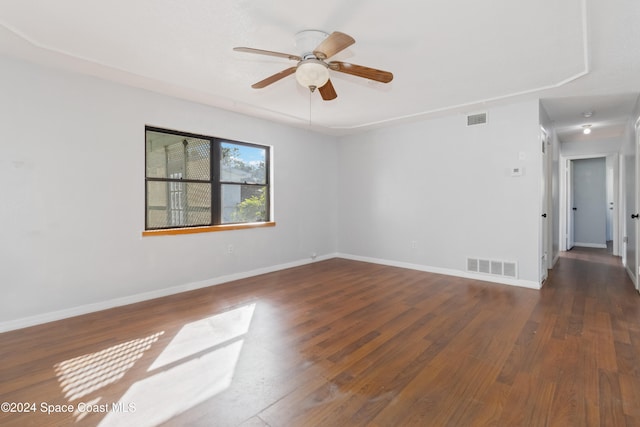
312	73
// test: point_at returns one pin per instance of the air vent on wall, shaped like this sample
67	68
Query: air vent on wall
476	119
509	269
484	266
494	267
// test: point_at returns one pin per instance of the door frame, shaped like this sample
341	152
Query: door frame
577	181
637	207
565	191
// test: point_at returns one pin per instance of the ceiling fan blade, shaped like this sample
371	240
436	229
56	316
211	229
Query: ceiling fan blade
333	44
327	91
268	52
361	71
274	78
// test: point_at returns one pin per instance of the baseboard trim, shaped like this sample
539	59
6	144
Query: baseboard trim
52	316
632	276
26	322
591	245
446	271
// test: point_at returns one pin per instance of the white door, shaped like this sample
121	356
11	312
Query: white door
590	201
633	232
544	213
571	207
631	208
610	201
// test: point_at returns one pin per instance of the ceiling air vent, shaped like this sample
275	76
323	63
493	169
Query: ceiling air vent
476	119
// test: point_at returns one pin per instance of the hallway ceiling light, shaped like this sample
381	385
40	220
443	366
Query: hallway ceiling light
587	114
586	129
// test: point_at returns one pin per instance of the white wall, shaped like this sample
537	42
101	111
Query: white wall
72	173
432	193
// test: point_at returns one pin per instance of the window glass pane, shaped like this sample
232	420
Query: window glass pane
243	203
243	164
180	180
178	204
177	157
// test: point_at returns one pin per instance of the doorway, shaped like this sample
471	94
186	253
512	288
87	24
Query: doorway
589	207
589	202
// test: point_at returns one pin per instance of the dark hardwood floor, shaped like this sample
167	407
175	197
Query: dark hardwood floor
342	343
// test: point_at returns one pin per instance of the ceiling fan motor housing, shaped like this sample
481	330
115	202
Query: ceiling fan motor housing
307	40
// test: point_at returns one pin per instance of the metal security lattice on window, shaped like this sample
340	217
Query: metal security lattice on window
193	180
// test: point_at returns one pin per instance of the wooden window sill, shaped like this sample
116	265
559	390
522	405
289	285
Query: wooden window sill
207	229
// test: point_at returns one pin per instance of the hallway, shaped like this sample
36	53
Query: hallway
592	315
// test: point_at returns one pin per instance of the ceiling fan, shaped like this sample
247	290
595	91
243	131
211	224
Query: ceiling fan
312	70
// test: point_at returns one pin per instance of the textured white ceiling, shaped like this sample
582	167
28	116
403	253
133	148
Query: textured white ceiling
445	55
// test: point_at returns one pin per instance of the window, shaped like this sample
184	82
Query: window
196	181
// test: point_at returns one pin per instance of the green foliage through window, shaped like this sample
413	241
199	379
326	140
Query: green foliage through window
252	209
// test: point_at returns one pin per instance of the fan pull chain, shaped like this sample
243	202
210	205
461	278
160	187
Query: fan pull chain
310	93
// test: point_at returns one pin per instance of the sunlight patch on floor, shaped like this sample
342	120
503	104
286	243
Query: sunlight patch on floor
199	363
85	374
205	334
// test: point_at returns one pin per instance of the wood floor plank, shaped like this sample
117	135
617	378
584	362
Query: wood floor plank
486	410
530	400
607	358
589	376
611	408
342	342
567	407
630	391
